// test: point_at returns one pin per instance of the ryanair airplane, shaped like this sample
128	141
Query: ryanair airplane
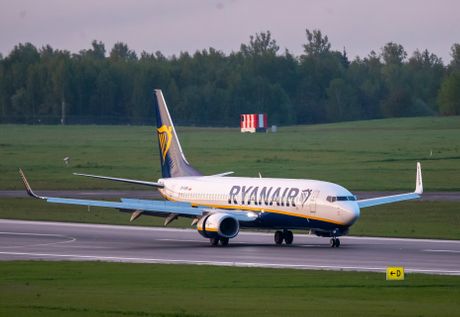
221	205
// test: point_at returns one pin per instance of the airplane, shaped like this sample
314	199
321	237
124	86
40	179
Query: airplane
220	205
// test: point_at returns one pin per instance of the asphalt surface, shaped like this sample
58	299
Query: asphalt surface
29	240
153	194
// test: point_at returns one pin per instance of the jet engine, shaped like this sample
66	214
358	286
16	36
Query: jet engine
218	225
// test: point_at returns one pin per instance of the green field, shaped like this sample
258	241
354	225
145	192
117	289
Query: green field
111	289
365	155
368	155
409	219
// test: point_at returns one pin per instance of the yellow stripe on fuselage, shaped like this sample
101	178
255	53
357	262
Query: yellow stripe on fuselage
274	211
259	209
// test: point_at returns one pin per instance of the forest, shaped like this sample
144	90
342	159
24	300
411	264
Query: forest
211	88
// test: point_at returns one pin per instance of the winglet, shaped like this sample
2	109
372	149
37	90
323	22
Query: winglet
28	188
419	181
222	174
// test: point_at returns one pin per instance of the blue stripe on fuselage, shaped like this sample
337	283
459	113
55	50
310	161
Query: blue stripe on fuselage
270	220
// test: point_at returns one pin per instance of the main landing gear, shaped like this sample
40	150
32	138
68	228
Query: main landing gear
285	235
334	242
215	241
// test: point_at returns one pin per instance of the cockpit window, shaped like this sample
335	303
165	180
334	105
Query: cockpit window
340	198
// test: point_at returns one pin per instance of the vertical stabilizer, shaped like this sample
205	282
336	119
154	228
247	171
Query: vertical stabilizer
173	161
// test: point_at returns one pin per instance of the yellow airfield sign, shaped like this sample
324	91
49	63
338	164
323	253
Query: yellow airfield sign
395	273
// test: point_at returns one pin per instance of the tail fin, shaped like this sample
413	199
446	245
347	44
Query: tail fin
173	161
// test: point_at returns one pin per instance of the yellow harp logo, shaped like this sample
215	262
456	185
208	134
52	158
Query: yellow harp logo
164	137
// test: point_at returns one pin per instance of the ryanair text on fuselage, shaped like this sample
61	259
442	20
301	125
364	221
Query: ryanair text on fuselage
247	195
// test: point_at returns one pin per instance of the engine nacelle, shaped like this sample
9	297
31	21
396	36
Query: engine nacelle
218	225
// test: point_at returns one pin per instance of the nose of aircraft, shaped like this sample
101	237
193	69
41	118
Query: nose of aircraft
351	212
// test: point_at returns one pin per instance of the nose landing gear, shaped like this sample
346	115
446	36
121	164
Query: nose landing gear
334	242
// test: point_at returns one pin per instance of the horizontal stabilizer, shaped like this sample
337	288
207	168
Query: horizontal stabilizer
222	174
123	180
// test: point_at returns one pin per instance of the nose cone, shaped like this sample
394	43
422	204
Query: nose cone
351	212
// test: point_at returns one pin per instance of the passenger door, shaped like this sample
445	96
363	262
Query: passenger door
312	203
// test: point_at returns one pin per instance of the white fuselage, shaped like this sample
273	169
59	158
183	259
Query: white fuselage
307	199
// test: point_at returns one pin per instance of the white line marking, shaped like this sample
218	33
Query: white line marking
68	239
442	251
224	263
242	233
29	234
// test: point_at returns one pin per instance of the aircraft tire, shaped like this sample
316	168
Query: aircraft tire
214	241
334	242
279	237
288	237
224	242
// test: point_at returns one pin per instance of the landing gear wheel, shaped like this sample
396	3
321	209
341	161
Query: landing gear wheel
288	237
214	241
224	242
279	237
334	242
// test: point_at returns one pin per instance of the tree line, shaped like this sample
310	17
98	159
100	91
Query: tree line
210	88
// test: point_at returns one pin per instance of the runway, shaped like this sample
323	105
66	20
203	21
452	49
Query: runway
30	240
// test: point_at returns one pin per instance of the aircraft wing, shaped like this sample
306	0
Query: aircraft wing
395	198
386	200
241	215
143	206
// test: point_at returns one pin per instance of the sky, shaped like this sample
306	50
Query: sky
174	26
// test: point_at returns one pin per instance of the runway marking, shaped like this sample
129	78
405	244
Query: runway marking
29	234
442	251
70	239
180	240
242	233
224	263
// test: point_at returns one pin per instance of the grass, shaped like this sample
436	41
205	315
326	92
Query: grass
417	219
409	219
115	289
367	155
364	155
